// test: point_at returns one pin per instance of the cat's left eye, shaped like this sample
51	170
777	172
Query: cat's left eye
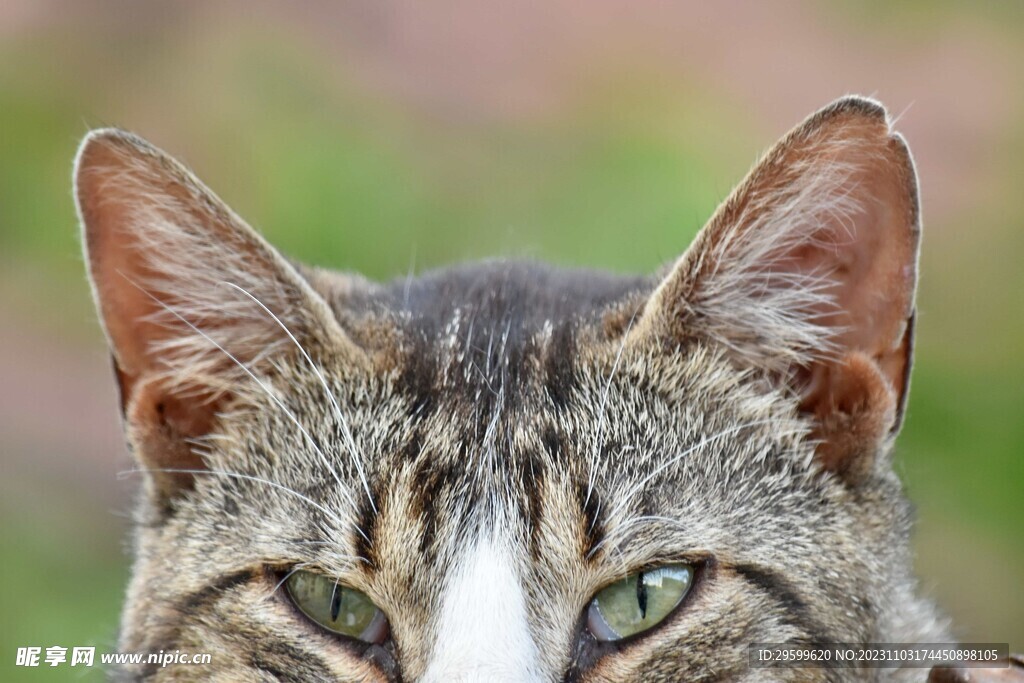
639	602
337	608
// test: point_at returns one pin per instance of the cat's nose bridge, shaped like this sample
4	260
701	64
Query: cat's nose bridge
482	631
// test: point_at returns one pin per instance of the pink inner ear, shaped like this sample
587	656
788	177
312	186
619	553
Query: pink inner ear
113	259
113	189
872	255
857	396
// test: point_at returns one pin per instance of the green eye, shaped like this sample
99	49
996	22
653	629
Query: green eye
337	608
638	602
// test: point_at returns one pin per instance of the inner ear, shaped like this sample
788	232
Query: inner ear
853	409
166	425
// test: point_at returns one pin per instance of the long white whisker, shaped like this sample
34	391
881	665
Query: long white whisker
298	567
346	432
623	566
703	443
623	528
246	477
599	441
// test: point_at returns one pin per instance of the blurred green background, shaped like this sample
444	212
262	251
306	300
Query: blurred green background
392	135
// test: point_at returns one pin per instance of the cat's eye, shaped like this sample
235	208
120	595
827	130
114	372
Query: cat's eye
336	607
638	602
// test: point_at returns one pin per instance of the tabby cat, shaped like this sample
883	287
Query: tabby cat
506	471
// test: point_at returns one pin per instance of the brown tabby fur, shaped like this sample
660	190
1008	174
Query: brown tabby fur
736	412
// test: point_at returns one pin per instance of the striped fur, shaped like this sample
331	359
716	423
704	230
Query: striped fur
481	449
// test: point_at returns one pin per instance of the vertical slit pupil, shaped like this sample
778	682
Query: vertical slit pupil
335	603
641	595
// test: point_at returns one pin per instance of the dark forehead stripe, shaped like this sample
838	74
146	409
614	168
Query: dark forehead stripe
367	521
431	484
593	529
419	377
560	365
427	481
534	481
554	444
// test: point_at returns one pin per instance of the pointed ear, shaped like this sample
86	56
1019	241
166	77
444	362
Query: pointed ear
808	272
191	298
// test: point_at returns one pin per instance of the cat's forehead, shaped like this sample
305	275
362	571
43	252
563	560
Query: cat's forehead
503	410
503	370
528	429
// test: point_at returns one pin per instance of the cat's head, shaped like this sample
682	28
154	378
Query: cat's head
509	472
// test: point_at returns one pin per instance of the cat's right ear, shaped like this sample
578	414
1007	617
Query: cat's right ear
195	304
807	273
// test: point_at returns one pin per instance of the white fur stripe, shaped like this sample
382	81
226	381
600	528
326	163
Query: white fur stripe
483	633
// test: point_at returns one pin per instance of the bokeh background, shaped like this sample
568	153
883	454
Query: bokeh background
395	135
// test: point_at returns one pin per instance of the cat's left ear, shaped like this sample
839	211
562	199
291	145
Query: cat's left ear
808	272
199	309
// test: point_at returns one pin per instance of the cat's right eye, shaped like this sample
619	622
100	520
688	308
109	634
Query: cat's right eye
638	602
337	608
